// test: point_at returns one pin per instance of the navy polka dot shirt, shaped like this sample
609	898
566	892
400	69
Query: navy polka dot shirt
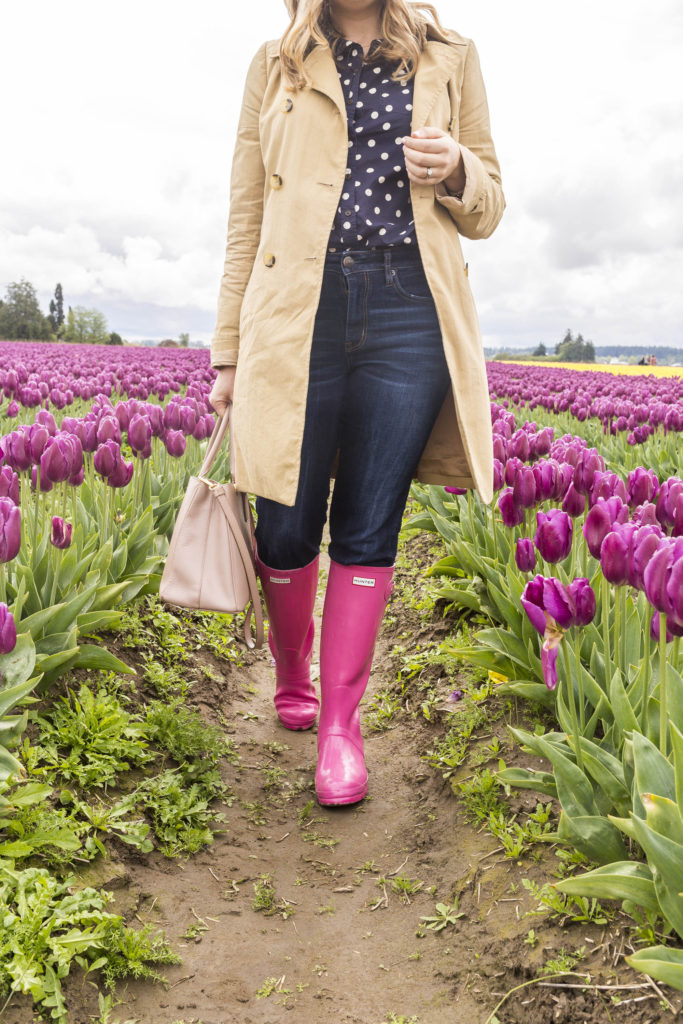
375	207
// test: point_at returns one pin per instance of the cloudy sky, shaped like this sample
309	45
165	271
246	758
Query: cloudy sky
119	121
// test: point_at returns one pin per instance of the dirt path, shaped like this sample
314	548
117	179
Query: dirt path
339	941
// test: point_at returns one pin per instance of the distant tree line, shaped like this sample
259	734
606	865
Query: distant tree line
570	350
21	319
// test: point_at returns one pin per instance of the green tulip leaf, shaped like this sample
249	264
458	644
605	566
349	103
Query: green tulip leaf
653	772
17	666
620	880
661	963
595	836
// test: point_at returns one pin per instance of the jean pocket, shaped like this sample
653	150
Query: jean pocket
411	283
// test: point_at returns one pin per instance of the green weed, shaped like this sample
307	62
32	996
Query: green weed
573	908
90	738
445	915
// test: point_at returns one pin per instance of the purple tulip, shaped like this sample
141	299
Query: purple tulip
642	485
645	515
10	530
175	443
524	488
8	630
600	520
512	468
497	475
554	535
106	458
122	474
532	602
9	484
17	451
55	462
108	429
574	504
448	490
38	438
47	420
583	596
589	463
12	409
525	555
140	435
662	586
61	533
558	602
614	554
511	513
644	541
607	485
667	502
549	653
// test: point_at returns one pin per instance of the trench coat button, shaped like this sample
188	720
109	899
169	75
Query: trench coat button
269	259
347	261
287	105
348	172
275	181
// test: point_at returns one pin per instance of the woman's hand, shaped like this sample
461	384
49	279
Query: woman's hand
222	390
432	147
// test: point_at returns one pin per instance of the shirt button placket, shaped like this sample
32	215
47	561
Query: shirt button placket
354	88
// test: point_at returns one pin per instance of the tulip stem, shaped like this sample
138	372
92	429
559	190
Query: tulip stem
663	744
579	678
3	589
605	595
571	699
622	636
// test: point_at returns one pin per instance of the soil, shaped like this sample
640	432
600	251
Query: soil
339	944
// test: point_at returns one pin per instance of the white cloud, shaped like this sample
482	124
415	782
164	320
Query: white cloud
115	174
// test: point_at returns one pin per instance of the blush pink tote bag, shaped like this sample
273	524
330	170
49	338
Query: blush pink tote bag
210	560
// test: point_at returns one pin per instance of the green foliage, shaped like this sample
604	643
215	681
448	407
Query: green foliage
48	927
20	316
184	734
264	895
86	326
91	739
181	814
575	350
445	914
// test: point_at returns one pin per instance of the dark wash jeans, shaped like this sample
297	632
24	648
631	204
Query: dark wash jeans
377	380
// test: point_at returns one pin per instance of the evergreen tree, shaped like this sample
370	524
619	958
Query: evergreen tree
540	350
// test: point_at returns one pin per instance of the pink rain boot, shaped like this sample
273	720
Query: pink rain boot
290	596
355	600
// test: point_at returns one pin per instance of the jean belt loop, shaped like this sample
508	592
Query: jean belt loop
387	266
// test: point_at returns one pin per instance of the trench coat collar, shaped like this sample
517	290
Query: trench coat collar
435	66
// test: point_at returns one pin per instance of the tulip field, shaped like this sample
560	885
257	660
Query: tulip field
578	568
574	574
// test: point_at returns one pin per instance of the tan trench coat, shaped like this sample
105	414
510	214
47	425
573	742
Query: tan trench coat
288	173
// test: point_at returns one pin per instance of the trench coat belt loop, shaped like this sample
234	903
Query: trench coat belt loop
387	266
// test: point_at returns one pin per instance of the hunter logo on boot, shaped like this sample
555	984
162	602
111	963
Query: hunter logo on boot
285	579
363	581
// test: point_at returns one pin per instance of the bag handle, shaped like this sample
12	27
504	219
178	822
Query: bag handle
221	426
255	612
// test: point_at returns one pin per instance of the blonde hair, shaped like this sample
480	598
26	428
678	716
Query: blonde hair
403	28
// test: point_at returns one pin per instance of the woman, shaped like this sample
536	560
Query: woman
346	334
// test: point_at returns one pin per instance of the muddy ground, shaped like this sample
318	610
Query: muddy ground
335	941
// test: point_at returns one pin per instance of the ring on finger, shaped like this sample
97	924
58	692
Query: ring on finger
429	172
